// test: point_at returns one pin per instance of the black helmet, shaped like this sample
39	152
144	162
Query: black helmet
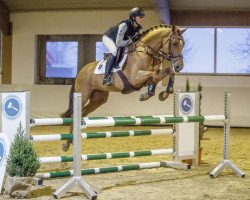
136	12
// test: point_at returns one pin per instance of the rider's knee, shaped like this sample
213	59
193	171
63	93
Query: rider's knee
114	52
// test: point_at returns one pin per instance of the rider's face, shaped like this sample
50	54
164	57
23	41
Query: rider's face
139	20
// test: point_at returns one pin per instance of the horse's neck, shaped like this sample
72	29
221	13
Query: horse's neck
155	38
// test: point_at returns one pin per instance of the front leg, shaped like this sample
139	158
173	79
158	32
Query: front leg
170	88
151	86
157	77
150	92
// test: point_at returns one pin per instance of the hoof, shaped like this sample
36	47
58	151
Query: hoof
65	147
171	90
163	95
146	96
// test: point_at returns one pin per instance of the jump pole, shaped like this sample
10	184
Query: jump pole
107	134
226	162
68	121
89	189
22	105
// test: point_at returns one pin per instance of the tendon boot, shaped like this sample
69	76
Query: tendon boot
109	65
151	88
150	93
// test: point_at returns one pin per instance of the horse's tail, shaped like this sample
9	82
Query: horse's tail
69	111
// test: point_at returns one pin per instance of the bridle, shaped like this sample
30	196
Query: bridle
161	55
170	57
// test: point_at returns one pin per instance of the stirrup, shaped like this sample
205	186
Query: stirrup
107	81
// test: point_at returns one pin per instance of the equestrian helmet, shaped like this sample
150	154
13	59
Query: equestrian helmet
136	12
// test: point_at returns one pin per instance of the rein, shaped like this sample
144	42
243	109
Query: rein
158	55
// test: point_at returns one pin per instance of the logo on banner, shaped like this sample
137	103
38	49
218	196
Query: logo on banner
2	151
12	107
186	104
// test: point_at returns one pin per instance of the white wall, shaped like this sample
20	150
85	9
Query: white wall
50	101
27	25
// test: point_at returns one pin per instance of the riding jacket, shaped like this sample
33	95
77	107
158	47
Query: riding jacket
120	33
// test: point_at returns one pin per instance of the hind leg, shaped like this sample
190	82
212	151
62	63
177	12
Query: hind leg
97	98
85	98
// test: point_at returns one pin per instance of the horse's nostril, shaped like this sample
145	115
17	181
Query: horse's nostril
177	68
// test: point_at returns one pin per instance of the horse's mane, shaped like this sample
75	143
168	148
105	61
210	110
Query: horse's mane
154	28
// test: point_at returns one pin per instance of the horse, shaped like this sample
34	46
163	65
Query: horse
146	63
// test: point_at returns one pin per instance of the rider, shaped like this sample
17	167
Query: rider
119	36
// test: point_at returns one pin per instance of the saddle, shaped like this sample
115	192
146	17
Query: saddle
119	63
120	54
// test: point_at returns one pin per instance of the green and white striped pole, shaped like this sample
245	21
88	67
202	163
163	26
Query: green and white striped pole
67	121
102	156
100	170
128	121
92	135
150	121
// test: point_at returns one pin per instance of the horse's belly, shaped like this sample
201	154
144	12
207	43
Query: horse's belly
116	87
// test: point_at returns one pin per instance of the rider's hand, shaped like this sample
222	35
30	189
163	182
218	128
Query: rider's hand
130	41
135	38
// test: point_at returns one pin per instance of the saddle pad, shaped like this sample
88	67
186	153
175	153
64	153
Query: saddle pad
100	67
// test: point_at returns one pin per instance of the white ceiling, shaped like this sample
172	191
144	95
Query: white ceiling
44	5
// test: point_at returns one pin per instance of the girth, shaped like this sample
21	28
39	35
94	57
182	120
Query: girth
128	87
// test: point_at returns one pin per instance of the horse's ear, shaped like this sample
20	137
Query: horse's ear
174	28
183	30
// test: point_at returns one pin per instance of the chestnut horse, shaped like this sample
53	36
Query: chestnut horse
146	63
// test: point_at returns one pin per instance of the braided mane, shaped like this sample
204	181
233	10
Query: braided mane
154	28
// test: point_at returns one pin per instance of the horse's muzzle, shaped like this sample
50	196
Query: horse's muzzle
178	68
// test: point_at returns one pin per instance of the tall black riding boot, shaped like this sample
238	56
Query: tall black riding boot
108	69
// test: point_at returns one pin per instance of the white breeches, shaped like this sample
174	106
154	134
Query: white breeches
110	45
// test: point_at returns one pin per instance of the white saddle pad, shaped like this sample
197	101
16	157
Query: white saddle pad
100	67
